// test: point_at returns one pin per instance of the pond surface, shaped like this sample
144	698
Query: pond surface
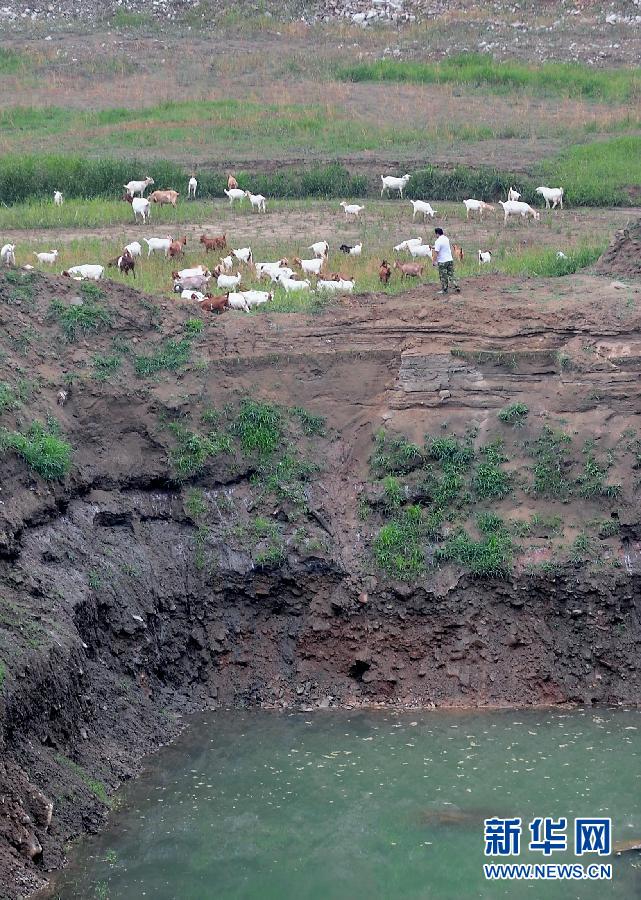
364	804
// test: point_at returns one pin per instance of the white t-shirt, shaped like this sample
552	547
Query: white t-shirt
443	249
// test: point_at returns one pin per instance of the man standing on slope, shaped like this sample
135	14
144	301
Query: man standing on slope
442	257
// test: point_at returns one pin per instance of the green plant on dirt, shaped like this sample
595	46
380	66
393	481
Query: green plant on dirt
94	579
514	414
537	526
581	548
591	481
393	493
286	478
310	424
13	397
195	503
3	674
169	357
96	787
41	448
395	455
192	450
200	542
270	558
398	546
258	426
490	481
454	458
193	327
81	318
490	557
607	528
91	291
551	462
450	452
105	366
490	523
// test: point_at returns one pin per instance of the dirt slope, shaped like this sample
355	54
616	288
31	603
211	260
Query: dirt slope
134	590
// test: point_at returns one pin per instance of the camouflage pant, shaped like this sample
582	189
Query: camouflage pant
446	274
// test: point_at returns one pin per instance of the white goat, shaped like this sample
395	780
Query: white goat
244	254
141	207
356	250
92	272
229	281
235	194
293	284
155	245
8	255
476	206
192	187
485	256
275	274
405	245
227	263
237	301
391	183
192	295
58	198
194	270
553	195
48	258
513	194
420	206
138	187
311	266
257	201
320	249
352	209
134	249
265	269
420	250
343	286
518	208
255	298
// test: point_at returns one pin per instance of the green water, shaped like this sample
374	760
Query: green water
368	804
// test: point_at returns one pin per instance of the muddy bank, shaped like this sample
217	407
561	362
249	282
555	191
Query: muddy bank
178	565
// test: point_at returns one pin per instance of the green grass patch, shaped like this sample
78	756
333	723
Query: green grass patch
3	674
395	455
546	263
515	414
83	318
480	70
491	557
97	788
41	448
169	357
598	173
13	62
105	366
193	450
552	461
398	546
259	427
310	424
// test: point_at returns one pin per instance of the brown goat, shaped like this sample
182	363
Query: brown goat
215	304
125	263
176	248
219	242
409	270
337	276
457	252
231	183
384	272
162	197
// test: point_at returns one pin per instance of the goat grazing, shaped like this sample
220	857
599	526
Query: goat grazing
235	194
92	272
139	205
162	197
215	304
231	182
155	245
391	183
192	187
177	248
485	256
476	206
229	281
310	266
257	201
341	285
58	199
518	208
320	249
352	209
48	258
227	263
384	272
292	284
551	195
138	187
125	263
356	250
134	249
219	242
420	251
405	245
244	255
457	252
420	206
8	255
513	194
409	270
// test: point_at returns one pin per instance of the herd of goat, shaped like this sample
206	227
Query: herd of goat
195	283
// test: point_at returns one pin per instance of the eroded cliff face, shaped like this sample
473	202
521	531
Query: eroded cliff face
185	560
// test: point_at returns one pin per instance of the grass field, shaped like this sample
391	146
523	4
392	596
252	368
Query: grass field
480	70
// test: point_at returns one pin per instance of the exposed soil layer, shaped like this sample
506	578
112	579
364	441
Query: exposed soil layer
129	600
623	256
